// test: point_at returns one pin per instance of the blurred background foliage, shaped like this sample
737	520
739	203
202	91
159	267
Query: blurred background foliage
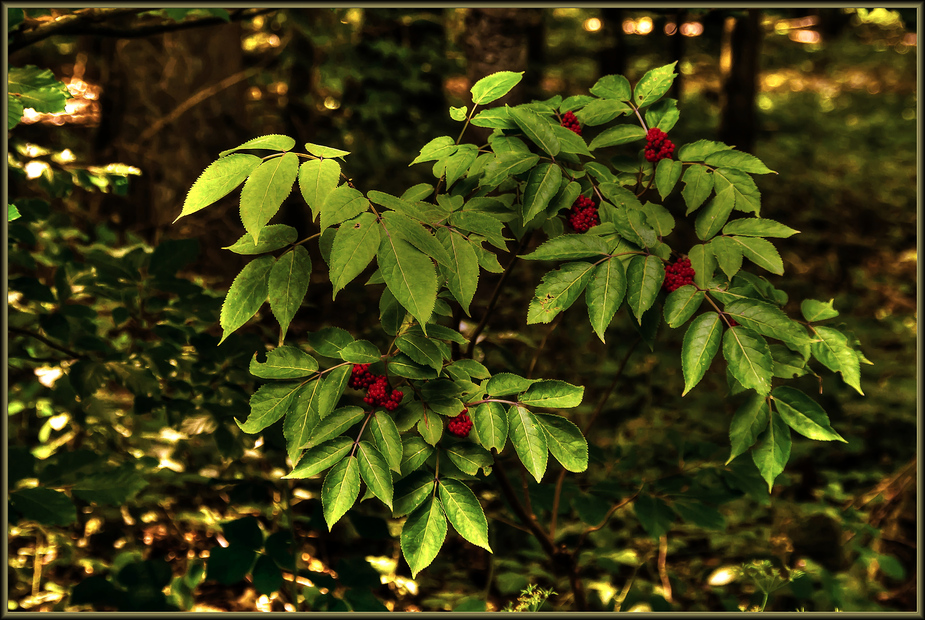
119	396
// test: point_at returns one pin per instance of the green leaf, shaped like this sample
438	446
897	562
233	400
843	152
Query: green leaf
835	353
653	85
340	490
817	310
469	457
12	213
375	472
496	118
464	512
761	252
410	275
728	254
737	160
288	283
247	293
423	534
711	219
621	134
787	364
703	263
748	422
558	290
302	418
743	188
654	515
529	440
412	491
681	304
803	414
700	150
483	224
332	389
698	183
415	451
334	424
569	247
490	425
342	204
404	366
268	404
663	115
768	320
565	441
505	384
385	433
355	246
758	227
430	426
644	278
360	352
328	341
667	173
267	576
420	349
699	514
462	271
542	186
284	363
613	87
30	77
601	111
505	166
273	142
605	293
552	393
14	111
324	151
272	237
436	149
458	163
265	190
217	181
229	565
772	451
537	129
413	232
322	456
659	218
749	358
458	113
494	86
317	179
416	192
701	342
570	142
44	505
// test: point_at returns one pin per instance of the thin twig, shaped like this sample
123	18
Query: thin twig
613	384
39	337
662	567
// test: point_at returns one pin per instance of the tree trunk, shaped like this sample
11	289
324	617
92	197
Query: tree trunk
739	69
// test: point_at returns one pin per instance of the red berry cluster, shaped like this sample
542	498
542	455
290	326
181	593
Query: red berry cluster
733	323
658	146
583	215
569	121
460	425
377	388
678	274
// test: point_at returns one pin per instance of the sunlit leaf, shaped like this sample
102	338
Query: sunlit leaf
217	181
247	293
265	190
464	512
340	490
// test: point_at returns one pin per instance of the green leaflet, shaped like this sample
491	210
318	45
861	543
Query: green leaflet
835	353
268	404
464	512
415	451
698	183
272	237
217	181
284	363
483	224
565	441
681	304
612	87
748	422
711	219
787	364
355	246
436	149
458	163
273	142
803	414
749	358
430	426
542	185
813	310
331	390
505	166
703	263
667	173
654	515
536	128
700	150
644	278
570	142
701	342
742	186
699	514
388	441
462	270
328	341
490	425
558	290
247	293
469	457
411	492
423	534
302	418
758	227
529	440
410	275
605	293
663	115
375	472
761	252
414	233
728	254
494	118
552	393
265	190
324	151
360	352
321	457
621	134
342	204
505	383
569	247
768	320
340	490
288	283
653	85
620	196
421	350
737	160
659	218
334	424
494	86
44	505
404	366
601	111
772	451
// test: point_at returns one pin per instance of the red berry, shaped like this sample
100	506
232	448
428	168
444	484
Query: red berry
569	121
460	425
583	215
678	274
658	146
733	323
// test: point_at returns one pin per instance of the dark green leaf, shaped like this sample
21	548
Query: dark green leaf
552	393
268	404
44	505
749	358
387	439
529	440
681	304
272	237
340	490
698	183
322	456
537	129
772	451
423	534
565	441
334	424
654	515
462	270
284	363
410	275
701	342
803	414
644	278
355	245
569	247
748	422
464	512
375	472
558	290
605	293
229	565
